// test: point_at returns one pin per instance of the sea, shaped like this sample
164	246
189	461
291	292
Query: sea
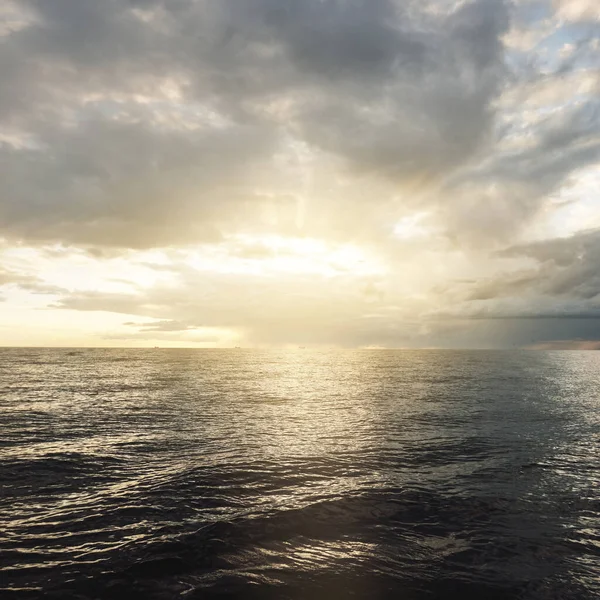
299	474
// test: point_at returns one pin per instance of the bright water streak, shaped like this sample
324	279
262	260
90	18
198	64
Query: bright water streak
265	474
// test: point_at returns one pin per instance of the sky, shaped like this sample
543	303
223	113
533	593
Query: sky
332	173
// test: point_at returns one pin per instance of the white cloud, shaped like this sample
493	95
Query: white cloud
577	10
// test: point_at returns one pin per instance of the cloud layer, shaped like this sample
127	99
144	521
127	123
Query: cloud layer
189	127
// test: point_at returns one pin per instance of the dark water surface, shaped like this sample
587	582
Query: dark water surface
303	475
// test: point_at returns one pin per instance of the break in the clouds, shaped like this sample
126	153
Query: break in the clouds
339	172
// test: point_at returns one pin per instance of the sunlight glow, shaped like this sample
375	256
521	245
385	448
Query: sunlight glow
76	270
411	227
277	255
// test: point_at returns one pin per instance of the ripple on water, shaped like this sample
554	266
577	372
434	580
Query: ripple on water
365	474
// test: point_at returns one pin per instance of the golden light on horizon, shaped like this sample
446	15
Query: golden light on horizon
270	255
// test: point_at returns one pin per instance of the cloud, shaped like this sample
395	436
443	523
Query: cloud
569	266
125	185
161	326
577	10
27	282
141	136
560	287
141	124
499	197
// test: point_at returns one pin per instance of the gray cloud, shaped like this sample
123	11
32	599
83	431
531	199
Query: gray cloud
26	282
563	284
433	111
568	266
499	197
140	124
123	184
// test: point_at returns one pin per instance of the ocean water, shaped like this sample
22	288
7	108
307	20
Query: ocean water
299	474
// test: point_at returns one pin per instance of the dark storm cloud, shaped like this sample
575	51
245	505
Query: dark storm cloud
332	40
141	124
562	284
433	110
568	266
